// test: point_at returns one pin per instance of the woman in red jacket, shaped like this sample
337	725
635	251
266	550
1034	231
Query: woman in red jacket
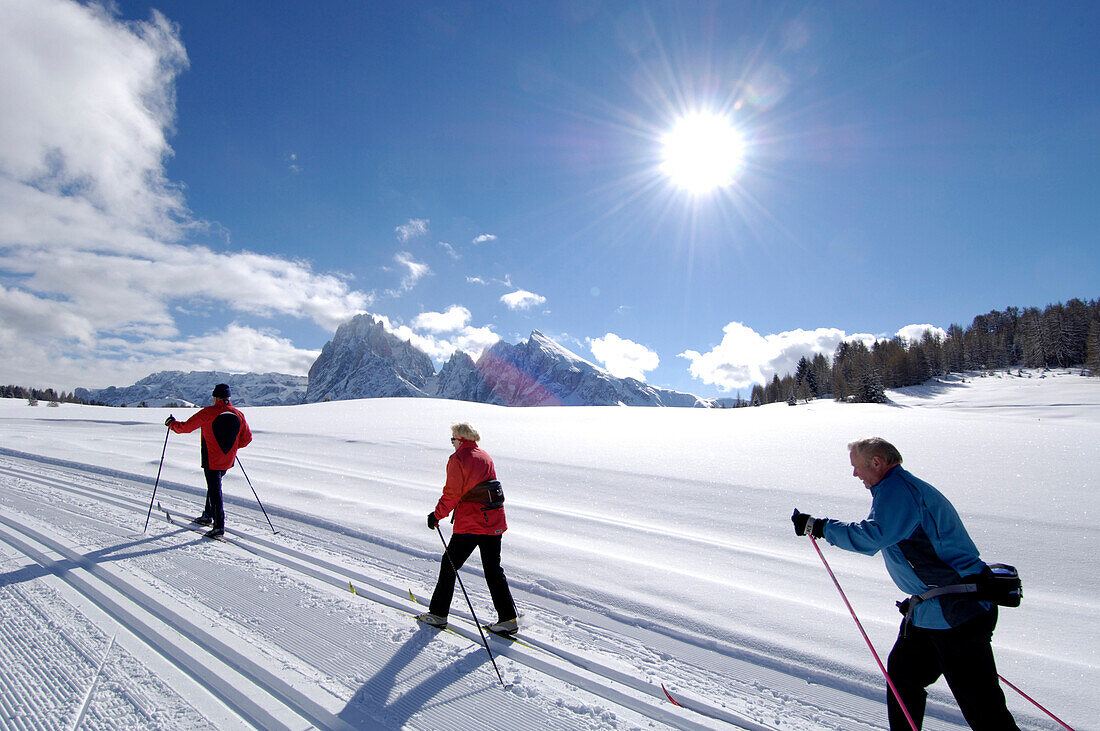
475	496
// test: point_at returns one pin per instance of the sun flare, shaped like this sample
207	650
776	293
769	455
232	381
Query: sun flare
702	152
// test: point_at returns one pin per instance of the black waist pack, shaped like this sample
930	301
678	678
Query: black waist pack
999	583
488	494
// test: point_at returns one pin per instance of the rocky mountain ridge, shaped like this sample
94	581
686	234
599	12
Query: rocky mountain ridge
364	360
193	389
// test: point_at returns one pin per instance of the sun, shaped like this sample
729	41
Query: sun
703	152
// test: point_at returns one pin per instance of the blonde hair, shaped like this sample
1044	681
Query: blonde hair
873	447
465	431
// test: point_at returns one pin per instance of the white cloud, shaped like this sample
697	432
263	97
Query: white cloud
484	238
455	318
745	357
120	361
446	332
475	280
236	349
474	340
87	105
450	250
92	232
914	333
414	272
623	358
521	299
415	227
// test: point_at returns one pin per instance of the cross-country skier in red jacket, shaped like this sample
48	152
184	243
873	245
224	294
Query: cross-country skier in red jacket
475	496
224	431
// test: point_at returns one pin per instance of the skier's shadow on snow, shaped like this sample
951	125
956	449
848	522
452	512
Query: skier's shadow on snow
117	552
394	694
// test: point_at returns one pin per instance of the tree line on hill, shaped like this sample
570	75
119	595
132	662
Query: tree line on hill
54	398
1063	335
40	394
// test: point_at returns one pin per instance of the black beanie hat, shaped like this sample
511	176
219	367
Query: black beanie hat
221	390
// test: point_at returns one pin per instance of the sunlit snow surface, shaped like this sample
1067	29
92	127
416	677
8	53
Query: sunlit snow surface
652	541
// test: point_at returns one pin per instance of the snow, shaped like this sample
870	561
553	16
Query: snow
646	546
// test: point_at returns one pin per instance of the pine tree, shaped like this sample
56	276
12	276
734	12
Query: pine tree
1092	357
822	375
871	390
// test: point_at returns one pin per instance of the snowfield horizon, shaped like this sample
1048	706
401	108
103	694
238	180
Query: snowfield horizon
646	547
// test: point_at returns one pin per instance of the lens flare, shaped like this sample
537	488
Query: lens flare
702	152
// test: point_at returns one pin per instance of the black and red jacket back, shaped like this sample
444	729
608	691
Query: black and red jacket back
224	431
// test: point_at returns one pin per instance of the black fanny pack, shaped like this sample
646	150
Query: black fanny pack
488	494
999	583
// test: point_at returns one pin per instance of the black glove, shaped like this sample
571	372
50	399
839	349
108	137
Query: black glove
807	525
433	522
170	420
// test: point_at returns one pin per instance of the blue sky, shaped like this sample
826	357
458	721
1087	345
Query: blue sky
191	185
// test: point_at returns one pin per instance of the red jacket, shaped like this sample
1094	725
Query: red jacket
224	431
467	467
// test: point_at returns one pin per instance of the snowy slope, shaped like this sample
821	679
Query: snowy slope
646	546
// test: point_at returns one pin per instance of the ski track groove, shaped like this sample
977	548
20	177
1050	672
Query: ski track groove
241	702
475	715
122	695
292	560
345	665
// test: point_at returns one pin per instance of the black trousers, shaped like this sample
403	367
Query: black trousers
462	545
214	509
964	657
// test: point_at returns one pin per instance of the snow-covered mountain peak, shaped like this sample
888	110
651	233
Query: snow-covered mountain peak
364	360
554	349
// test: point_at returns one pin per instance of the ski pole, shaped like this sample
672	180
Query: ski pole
866	639
95	681
470	604
1035	703
273	531
162	451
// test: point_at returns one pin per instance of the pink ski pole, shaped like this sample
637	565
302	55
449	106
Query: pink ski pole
1035	702
866	639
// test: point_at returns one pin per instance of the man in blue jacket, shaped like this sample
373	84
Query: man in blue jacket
925	545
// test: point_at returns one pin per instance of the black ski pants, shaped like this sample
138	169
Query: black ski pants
462	545
964	657
214	508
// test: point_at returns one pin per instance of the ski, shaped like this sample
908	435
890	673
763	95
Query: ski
413	612
506	635
191	526
511	638
716	713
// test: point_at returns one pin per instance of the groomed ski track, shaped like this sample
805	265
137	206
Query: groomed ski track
313	627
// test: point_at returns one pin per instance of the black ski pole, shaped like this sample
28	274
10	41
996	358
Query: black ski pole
470	604
161	465
273	531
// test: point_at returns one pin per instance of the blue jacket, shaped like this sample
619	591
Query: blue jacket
923	542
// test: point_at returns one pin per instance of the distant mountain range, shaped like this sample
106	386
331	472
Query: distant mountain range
364	360
193	388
